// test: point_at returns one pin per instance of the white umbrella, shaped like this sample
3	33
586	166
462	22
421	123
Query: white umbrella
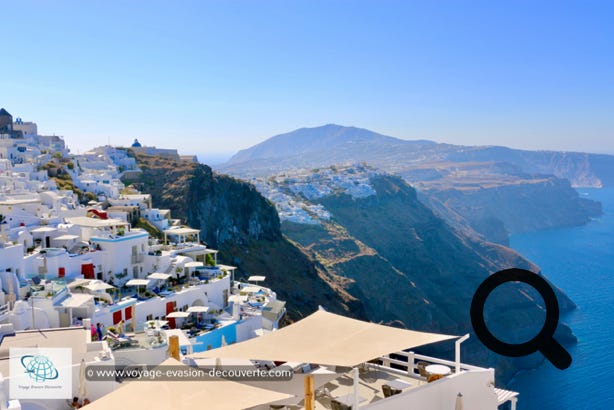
159	276
177	314
137	283
98	285
82	386
224	341
198	309
459	402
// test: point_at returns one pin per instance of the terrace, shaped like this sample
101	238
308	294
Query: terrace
333	370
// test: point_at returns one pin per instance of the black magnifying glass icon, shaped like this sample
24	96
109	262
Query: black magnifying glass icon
544	341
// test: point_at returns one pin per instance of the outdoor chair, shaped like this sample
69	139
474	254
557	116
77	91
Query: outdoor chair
389	391
421	366
117	341
336	405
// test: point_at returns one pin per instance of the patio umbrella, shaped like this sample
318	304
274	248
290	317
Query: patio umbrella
178	314
137	283
159	276
82	386
198	309
98	285
459	402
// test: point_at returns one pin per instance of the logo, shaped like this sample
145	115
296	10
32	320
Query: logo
41	373
544	341
39	367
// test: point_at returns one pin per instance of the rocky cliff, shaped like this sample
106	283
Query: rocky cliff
529	205
381	244
382	256
418	271
235	219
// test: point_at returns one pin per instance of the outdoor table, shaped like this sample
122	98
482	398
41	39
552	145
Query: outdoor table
438	369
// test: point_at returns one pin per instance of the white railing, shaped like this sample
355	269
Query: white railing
410	365
4	310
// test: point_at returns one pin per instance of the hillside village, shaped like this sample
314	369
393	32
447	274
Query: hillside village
73	252
293	191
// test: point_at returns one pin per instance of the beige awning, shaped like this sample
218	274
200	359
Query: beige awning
327	338
188	395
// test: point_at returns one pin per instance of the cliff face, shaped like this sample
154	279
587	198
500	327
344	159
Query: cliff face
411	268
495	212
235	219
384	257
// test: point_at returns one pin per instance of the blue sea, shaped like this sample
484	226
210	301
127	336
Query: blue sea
579	260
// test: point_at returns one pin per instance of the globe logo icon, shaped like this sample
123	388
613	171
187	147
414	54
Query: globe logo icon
39	367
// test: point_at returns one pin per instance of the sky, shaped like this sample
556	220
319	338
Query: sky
215	76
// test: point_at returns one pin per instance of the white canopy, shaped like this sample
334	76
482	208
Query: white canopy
138	282
327	338
181	231
198	309
193	264
177	314
159	276
256	278
250	289
97	285
185	395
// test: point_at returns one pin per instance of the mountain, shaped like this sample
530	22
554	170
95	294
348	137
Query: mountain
491	191
320	146
325	145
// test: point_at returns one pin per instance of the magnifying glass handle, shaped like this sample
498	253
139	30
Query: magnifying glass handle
557	354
